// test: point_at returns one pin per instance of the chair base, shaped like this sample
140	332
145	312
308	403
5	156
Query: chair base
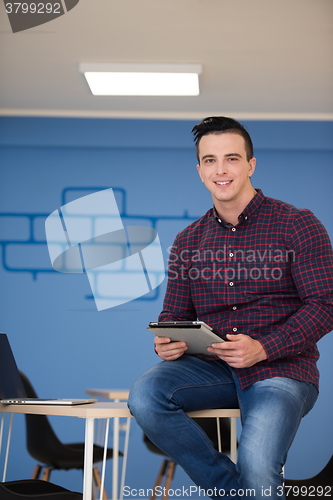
32	489
47	473
166	471
313	488
98	482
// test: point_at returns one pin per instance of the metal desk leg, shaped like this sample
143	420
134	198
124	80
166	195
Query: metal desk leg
104	457
7	447
1	429
219	442
88	459
233	439
123	471
115	461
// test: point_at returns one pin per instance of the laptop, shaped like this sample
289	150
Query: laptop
40	401
11	386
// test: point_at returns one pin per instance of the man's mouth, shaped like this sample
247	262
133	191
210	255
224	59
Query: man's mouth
222	183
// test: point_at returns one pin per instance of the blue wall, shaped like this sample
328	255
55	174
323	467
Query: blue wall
59	339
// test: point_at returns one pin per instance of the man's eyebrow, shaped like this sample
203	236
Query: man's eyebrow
208	156
233	154
228	155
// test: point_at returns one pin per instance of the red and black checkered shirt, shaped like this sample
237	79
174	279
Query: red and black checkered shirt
270	277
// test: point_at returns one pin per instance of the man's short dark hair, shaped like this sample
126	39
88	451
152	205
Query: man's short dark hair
222	125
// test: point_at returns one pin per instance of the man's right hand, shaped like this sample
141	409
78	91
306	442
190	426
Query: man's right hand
167	350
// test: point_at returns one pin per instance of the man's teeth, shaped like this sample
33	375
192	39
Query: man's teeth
223	183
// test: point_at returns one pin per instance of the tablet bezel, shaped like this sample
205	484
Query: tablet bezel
197	334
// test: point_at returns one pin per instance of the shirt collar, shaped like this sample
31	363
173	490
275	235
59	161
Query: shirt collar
250	211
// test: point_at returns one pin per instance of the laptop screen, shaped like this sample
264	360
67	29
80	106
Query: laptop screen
10	380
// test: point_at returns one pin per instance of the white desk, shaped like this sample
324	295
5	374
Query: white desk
122	394
89	412
93	411
115	395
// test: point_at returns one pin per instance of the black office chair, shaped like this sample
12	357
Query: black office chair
11	387
45	447
168	467
31	489
319	486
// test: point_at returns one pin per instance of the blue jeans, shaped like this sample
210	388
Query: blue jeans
271	412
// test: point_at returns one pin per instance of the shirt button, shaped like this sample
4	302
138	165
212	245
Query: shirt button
233	229
231	254
234	308
219	220
231	283
234	329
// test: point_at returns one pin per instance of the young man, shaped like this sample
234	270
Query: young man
259	271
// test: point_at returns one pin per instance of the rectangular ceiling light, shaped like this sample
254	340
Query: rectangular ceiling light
142	79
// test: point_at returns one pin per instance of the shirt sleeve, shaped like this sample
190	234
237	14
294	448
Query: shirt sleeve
312	272
177	305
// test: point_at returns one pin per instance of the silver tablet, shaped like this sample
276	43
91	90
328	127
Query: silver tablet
197	334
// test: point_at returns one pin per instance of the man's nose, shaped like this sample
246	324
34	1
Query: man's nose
221	167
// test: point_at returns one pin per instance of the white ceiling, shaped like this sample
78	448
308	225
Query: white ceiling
261	58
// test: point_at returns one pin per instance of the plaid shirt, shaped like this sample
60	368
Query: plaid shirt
270	277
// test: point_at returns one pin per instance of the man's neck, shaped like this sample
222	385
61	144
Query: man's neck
230	211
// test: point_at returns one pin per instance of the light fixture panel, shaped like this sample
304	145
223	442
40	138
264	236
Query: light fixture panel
142	79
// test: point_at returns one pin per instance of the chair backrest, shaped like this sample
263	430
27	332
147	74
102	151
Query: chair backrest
10	381
42	442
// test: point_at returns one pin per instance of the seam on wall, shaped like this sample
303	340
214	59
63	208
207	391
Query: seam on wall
160	115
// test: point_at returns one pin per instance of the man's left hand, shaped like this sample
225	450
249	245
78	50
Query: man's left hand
240	352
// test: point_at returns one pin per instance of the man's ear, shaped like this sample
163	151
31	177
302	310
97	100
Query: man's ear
199	171
252	163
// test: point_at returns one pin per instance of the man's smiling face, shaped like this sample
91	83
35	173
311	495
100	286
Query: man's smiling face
225	169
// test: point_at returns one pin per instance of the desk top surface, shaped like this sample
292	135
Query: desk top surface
118	394
91	410
101	410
